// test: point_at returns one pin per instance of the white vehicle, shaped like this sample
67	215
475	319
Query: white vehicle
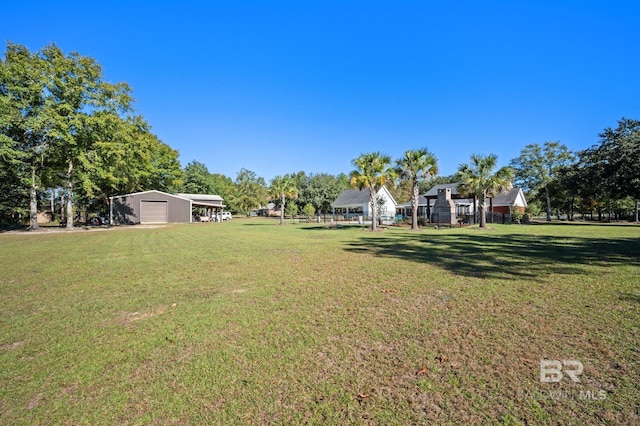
225	216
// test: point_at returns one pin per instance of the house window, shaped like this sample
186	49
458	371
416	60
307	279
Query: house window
462	209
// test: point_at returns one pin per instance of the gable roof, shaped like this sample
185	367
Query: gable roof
509	197
356	197
433	192
203	200
149	192
352	197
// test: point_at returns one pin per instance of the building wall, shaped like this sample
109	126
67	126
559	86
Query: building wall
506	209
126	208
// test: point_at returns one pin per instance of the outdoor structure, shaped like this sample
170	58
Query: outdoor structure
159	207
444	209
355	203
466	208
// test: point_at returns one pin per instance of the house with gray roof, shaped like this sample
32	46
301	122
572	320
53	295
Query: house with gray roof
502	203
355	202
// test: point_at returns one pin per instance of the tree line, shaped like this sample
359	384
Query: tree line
601	182
66	132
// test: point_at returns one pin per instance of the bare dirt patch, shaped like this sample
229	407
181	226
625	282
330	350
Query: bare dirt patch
13	345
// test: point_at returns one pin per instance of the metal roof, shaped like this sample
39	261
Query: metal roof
203	200
201	197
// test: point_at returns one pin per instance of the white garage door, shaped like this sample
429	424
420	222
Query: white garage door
153	212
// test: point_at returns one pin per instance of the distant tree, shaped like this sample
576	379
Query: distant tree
282	187
197	179
414	167
22	104
536	167
619	154
14	196
292	210
380	207
125	157
594	180
221	185
373	171
309	211
250	191
401	191
322	189
478	179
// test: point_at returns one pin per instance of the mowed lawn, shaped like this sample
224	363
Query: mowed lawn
248	322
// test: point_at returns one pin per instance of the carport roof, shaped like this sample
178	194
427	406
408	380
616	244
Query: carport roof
204	200
201	197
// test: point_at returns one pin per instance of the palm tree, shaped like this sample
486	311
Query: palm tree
282	187
373	170
478	179
414	166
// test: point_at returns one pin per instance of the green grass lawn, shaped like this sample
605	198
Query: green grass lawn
248	322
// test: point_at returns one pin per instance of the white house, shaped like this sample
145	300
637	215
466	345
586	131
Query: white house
355	202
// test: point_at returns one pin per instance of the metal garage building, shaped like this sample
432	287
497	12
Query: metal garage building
160	207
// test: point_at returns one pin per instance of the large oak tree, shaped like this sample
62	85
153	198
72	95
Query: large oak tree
75	130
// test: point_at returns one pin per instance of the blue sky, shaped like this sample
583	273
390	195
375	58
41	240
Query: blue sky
282	86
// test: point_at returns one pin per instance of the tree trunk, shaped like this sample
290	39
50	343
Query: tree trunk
570	210
372	203
414	206
635	210
62	207
70	196
483	216
546	190
33	201
53	204
282	209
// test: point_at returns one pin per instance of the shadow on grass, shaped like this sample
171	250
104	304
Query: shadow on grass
630	297
516	256
4	227
583	223
332	227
